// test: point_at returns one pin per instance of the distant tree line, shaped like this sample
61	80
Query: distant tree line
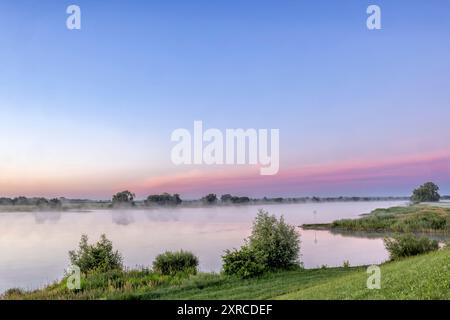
35	201
326	199
426	192
127	198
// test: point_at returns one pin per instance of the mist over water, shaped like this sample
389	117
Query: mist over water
34	246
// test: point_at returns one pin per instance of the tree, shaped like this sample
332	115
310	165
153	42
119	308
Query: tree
6	202
176	199
55	203
241	199
20	201
124	197
226	198
41	202
164	199
428	192
210	198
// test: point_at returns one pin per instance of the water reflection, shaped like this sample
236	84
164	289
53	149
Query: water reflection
49	216
122	218
325	248
162	215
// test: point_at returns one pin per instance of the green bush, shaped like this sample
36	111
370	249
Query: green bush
244	263
170	263
272	245
409	245
99	257
276	240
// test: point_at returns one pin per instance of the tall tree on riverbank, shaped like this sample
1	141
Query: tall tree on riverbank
428	192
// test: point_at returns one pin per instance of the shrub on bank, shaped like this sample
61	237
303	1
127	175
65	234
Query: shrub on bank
244	263
273	245
98	257
276	240
409	245
170	263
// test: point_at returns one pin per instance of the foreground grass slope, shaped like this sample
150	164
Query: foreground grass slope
417	218
421	277
145	284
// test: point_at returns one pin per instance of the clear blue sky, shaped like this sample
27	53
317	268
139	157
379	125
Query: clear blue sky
99	104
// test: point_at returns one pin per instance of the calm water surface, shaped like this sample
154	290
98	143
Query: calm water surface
34	246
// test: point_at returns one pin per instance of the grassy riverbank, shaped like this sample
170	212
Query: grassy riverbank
417	218
421	277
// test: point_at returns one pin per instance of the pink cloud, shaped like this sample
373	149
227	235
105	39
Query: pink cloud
387	176
403	171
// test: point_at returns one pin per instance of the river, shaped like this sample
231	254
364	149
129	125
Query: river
34	245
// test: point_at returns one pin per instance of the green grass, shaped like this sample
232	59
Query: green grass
267	286
148	285
421	277
418	218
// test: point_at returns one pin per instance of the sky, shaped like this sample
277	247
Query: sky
87	113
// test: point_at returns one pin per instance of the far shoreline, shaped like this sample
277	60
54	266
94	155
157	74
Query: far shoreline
75	205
